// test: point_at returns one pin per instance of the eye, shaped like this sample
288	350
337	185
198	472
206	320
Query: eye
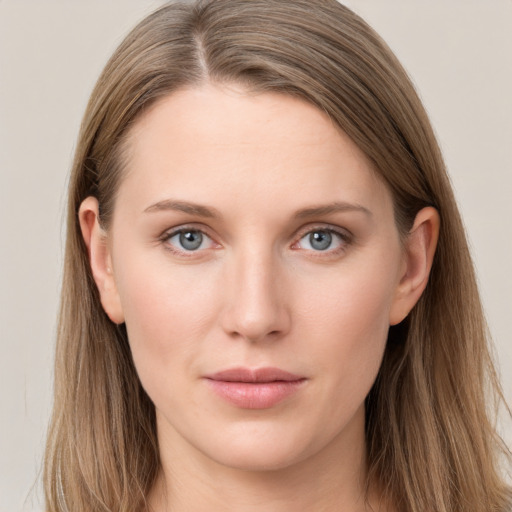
322	240
188	240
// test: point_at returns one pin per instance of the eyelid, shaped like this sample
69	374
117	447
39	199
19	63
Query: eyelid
343	232
346	236
183	228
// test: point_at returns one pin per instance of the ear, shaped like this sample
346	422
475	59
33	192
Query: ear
100	259
419	250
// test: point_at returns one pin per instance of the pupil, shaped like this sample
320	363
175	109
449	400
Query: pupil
320	240
191	240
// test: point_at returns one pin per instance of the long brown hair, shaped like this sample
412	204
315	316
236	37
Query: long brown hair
431	440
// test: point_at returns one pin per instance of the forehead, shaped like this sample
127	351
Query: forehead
212	143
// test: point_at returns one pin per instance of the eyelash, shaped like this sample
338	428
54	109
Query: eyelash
168	235
345	239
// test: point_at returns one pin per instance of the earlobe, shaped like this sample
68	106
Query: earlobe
419	251
95	240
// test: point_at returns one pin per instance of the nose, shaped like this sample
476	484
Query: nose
256	306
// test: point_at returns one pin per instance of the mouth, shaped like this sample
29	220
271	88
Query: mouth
261	388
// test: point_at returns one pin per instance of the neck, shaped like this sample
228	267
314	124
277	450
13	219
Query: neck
331	479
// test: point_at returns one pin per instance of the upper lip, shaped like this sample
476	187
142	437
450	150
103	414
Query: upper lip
258	375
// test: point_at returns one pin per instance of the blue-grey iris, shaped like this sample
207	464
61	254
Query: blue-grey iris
320	240
191	240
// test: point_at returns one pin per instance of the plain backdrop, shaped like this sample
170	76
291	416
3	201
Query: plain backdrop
458	52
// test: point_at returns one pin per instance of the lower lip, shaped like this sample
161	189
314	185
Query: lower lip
255	395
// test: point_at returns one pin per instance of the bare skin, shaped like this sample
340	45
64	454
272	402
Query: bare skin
249	232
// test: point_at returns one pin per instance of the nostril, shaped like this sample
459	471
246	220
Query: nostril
256	334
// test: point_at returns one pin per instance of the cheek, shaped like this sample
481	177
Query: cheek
348	317
168	312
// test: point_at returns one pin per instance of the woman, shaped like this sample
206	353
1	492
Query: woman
268	297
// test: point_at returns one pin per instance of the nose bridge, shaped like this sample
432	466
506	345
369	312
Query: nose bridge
256	305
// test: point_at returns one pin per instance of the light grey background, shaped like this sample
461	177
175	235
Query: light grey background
458	52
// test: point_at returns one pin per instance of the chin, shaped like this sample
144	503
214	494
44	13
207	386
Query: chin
263	446
258	458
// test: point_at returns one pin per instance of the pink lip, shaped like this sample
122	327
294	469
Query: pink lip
261	388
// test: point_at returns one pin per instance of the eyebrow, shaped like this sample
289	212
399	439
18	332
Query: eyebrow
183	206
208	212
335	207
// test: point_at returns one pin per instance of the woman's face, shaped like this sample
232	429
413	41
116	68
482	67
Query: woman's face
255	260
